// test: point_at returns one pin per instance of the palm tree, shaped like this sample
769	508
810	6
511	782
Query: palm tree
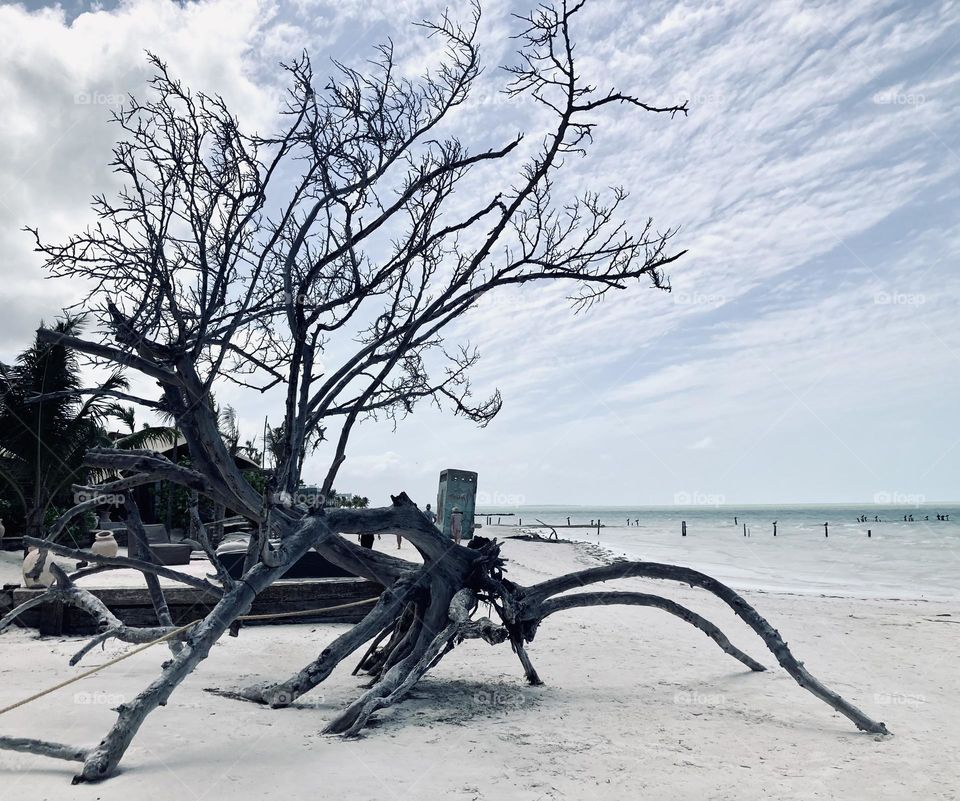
46	426
146	435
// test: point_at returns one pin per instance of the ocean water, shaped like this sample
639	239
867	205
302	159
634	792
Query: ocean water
901	559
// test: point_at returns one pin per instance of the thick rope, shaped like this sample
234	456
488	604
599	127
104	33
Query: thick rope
174	633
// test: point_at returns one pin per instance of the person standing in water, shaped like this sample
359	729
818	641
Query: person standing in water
456	524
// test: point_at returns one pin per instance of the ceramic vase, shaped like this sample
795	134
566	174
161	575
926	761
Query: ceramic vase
104	544
45	578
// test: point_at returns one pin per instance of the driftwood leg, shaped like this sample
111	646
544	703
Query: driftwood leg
103	760
141	550
642	599
286	692
534	596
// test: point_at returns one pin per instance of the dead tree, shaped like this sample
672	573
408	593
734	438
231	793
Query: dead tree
213	264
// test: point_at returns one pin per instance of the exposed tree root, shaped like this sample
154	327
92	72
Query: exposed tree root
111	627
396	684
103	760
43	748
424	612
643	599
285	693
531	605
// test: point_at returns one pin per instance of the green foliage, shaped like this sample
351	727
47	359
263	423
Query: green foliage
257	479
347	500
178	497
78	533
43	442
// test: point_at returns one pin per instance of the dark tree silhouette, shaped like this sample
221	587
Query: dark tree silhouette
330	260
48	420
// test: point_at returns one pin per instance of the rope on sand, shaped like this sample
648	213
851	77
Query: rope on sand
174	633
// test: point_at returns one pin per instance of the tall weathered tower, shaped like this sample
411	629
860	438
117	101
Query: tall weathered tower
458	488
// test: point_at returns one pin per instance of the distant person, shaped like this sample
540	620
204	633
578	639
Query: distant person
366	540
456	524
427	513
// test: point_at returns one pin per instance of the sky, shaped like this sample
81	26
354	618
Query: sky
809	350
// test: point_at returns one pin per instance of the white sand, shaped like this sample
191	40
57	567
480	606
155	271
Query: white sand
637	705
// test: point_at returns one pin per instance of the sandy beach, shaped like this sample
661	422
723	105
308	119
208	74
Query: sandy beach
636	704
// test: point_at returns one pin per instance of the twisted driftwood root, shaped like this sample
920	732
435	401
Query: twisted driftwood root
26	745
658	602
534	601
397	683
111	627
423	614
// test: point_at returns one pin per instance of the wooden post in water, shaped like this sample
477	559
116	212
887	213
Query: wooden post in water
868	534
598	529
744	529
826	532
683	528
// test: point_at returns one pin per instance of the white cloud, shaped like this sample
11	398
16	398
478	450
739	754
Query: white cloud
815	175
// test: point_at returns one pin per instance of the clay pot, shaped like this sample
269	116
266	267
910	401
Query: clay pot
104	544
29	562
